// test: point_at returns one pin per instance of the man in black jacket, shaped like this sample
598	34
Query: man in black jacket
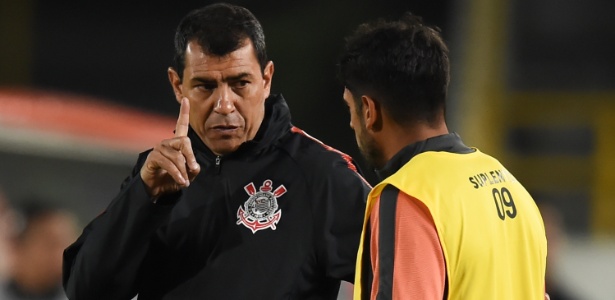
239	204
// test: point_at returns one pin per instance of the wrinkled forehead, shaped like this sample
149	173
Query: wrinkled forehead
196	56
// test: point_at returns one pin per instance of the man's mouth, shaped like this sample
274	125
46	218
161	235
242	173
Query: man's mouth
225	127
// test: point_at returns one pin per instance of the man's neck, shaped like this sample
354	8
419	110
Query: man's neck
398	137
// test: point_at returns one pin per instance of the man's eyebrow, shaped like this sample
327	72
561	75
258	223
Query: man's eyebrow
204	80
231	78
239	76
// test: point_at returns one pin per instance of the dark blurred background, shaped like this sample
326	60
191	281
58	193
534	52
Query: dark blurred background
120	50
533	83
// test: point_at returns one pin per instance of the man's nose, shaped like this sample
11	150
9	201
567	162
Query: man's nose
224	104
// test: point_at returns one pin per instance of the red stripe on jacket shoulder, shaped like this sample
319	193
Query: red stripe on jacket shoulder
345	156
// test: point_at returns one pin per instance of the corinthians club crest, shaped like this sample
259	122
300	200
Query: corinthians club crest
261	210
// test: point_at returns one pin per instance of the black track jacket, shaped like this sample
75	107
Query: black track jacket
280	218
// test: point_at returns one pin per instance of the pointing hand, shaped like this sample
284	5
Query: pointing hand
171	165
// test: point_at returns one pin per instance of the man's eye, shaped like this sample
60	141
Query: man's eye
241	83
208	87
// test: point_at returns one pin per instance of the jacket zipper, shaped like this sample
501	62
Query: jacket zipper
218	159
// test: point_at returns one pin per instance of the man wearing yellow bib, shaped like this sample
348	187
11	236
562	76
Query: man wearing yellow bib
447	221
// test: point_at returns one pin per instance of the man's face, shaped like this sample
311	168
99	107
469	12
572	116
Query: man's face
366	143
227	95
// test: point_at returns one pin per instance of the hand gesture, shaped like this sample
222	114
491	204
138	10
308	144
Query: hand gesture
171	165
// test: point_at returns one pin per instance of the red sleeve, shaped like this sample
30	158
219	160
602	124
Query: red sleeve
419	270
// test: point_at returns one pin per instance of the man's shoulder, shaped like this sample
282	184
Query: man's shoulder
322	164
306	148
319	161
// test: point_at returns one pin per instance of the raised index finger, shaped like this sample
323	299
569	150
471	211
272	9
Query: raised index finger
181	129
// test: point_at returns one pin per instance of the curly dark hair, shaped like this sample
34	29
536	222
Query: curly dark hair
403	64
219	29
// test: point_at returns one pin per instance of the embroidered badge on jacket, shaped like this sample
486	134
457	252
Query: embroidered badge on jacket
261	211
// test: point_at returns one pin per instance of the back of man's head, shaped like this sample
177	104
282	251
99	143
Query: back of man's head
219	29
402	64
43	232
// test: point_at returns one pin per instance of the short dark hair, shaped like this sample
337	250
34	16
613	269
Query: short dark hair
403	64
219	29
31	211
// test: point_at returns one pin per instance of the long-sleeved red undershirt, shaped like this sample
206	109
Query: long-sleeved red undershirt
419	266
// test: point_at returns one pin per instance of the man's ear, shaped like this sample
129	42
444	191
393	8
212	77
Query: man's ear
371	113
176	84
268	76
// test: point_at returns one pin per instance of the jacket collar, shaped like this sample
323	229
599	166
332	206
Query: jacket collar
275	124
450	142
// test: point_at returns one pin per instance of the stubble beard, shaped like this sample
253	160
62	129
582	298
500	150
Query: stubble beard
370	150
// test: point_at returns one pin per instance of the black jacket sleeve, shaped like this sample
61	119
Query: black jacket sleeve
104	261
343	209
